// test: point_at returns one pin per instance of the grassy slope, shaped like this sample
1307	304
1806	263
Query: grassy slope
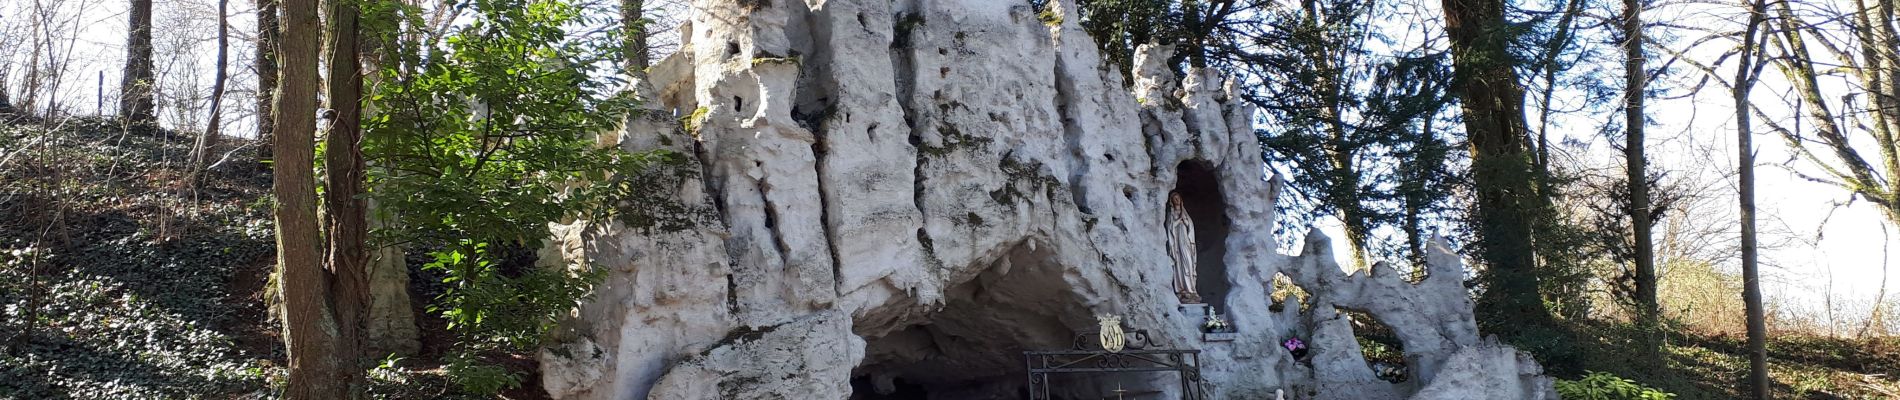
1699	366
133	290
142	292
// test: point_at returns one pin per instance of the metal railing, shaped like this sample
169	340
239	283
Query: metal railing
1081	360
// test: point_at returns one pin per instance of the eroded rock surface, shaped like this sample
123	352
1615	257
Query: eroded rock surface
809	356
895	199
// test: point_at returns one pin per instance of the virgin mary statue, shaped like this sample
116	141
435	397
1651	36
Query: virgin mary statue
1181	249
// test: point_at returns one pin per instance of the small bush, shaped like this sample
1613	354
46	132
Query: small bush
1604	386
482	378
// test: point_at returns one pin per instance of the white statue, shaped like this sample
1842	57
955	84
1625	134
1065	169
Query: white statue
1181	249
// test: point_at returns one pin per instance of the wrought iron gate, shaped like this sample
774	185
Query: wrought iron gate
1042	364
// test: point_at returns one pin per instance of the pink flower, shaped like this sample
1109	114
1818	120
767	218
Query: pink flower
1292	344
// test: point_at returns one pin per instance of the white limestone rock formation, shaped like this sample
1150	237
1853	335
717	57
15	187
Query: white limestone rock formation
796	360
391	325
899	198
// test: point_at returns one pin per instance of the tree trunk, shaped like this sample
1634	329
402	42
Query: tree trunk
208	141
31	86
1636	79
1745	75
1414	196
635	54
6	103
347	224
1548	65
135	90
1880	59
266	64
1887	33
310	319
5	106
1493	104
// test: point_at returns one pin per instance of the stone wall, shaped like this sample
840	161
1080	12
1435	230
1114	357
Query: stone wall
903	196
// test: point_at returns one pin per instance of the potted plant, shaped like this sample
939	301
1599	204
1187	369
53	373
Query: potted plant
1294	346
1216	329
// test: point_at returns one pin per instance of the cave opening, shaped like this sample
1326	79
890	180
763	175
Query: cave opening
867	388
1283	289
1198	184
972	347
1379	345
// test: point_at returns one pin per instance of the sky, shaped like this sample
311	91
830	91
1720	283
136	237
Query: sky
1823	256
1825	251
1821	251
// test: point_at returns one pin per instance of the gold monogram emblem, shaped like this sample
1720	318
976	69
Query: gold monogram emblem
1111	334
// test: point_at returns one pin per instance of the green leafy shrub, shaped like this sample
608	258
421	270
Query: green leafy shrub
482	378
493	306
1604	386
479	141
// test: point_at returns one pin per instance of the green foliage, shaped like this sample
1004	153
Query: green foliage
402	379
1604	386
505	307
480	378
480	140
1361	122
1118	26
492	134
1375	350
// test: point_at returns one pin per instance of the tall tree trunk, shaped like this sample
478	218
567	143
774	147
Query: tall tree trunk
310	319
4	103
347	222
1745	75
635	52
30	91
1880	59
1414	196
1887	42
266	64
1636	79
135	90
208	141
1548	66
1493	105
